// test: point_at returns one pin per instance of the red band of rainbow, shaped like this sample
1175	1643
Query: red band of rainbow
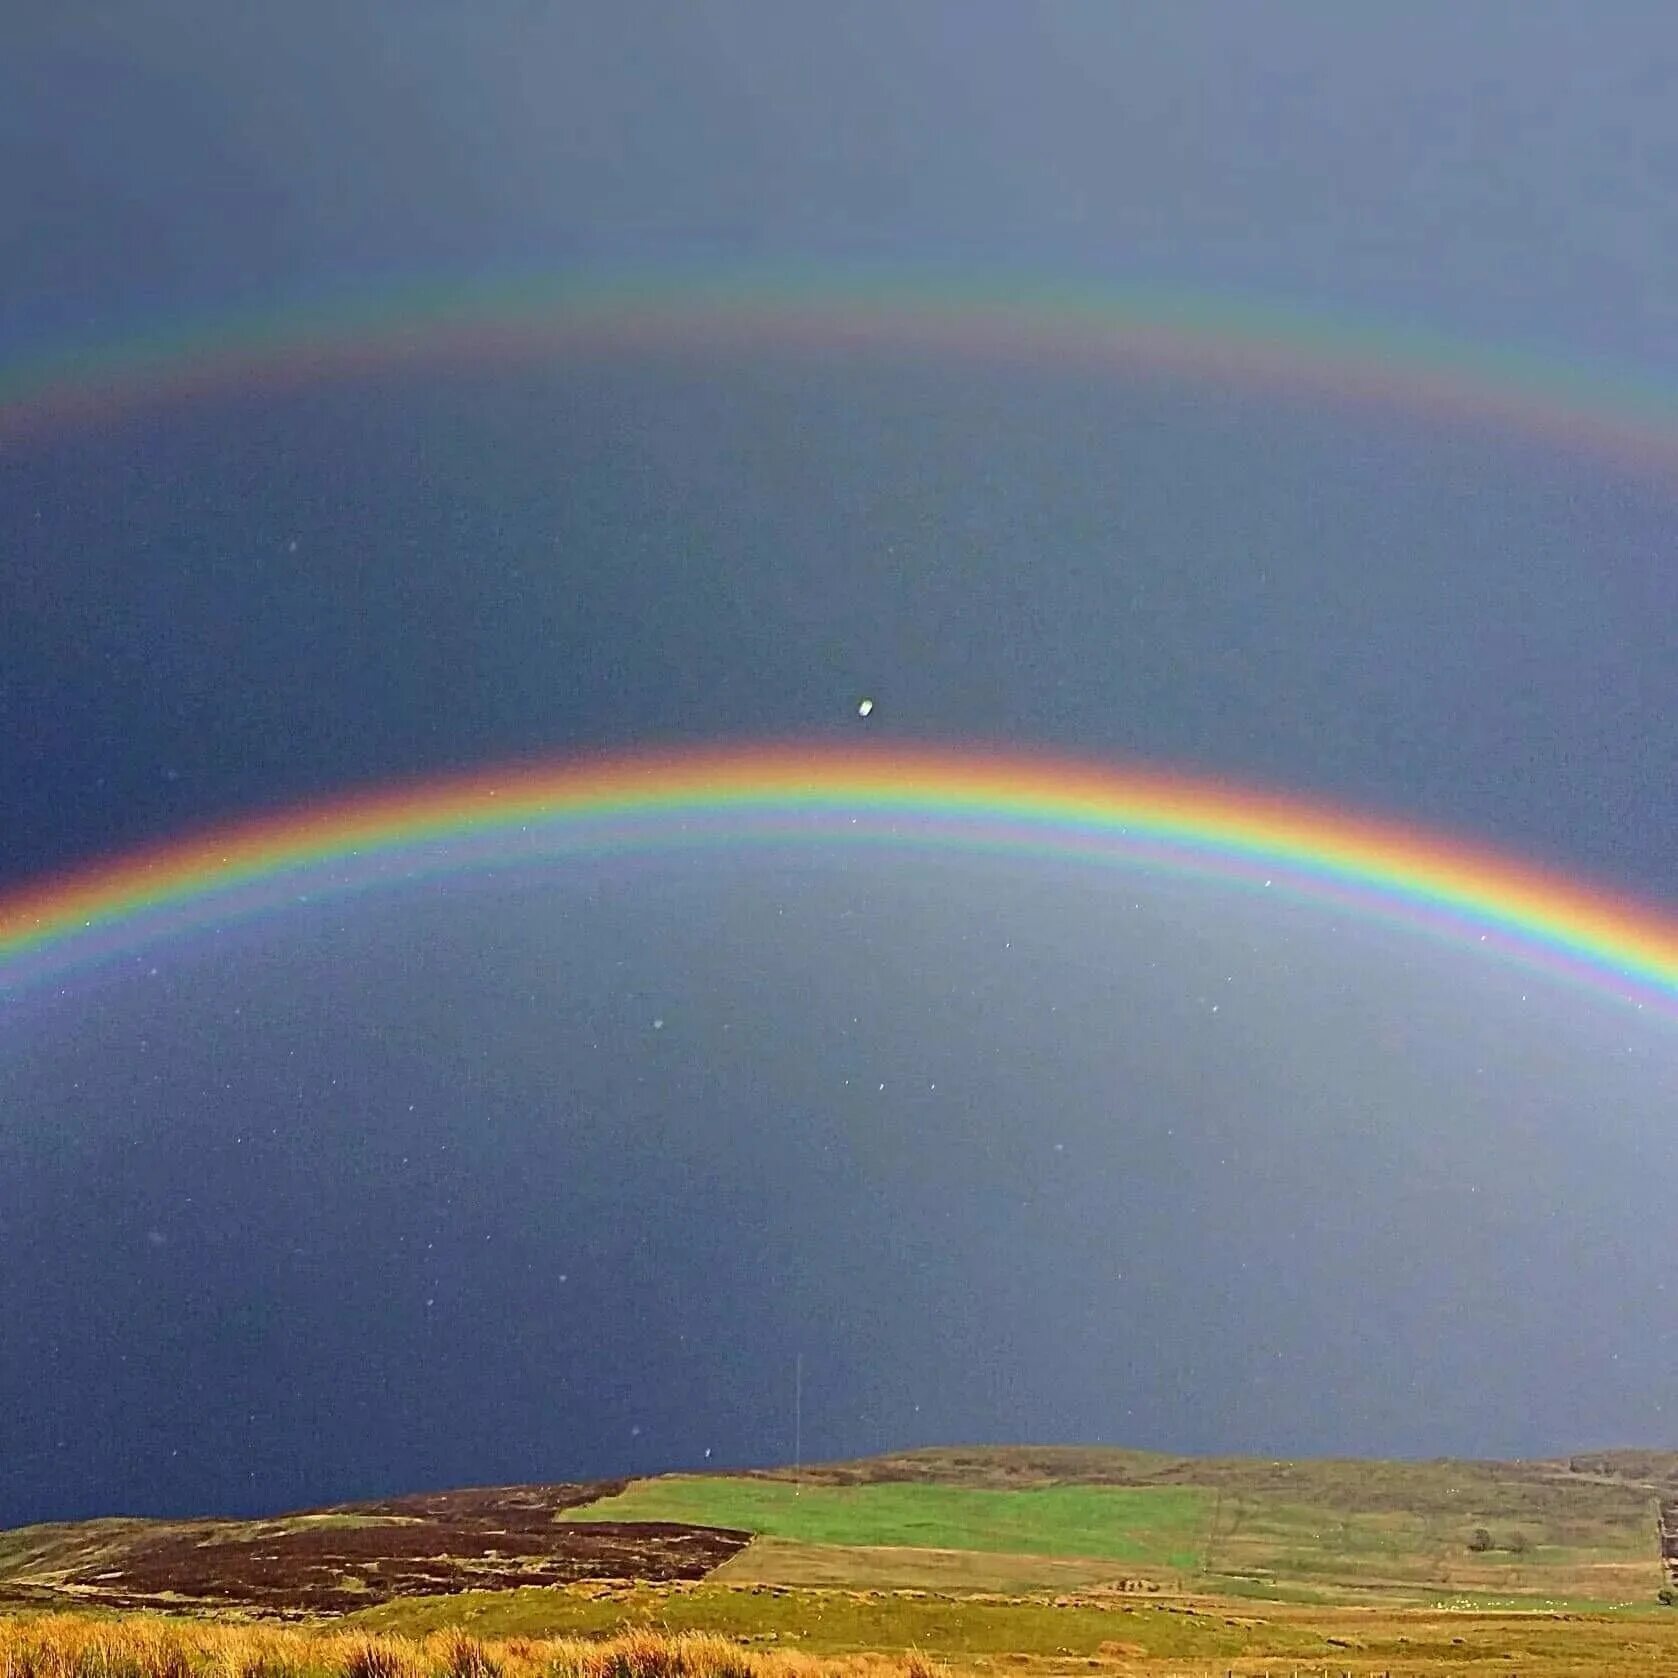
1632	421
803	796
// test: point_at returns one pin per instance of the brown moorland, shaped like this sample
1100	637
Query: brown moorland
351	1555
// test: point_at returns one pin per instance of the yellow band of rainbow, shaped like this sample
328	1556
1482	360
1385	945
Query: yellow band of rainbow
821	795
1609	413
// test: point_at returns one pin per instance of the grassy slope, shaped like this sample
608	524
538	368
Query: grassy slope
1199	1636
1201	1640
837	1622
1442	1485
60	1546
1160	1526
950	1521
1372	1530
782	1561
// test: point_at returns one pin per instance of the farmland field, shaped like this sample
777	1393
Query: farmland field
1370	1532
1158	1525
973	1561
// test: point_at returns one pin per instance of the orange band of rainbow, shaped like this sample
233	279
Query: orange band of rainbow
1023	806
1609	413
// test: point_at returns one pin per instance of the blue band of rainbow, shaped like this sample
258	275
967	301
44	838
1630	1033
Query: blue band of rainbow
804	796
1634	421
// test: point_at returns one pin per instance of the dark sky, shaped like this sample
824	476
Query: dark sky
534	1178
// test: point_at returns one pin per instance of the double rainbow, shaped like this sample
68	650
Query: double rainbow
815	796
1021	805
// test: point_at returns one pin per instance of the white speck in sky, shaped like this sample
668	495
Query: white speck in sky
865	707
658	1024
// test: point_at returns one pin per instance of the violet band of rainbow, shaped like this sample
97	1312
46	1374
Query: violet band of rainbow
805	797
1238	341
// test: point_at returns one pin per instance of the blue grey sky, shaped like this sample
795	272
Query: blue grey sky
1502	169
417	1190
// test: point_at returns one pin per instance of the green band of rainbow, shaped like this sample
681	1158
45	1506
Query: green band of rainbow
1634	421
821	796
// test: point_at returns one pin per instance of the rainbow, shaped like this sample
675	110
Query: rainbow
1633	422
815	796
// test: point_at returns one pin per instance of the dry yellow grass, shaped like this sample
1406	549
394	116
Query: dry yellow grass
1402	1644
75	1646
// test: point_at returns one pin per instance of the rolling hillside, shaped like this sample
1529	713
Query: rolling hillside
1076	1525
1584	1528
352	1555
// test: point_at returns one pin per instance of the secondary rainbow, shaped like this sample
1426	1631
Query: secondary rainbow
1632	420
818	796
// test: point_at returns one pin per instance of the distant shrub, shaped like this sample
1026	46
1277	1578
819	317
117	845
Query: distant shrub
1479	1541
1669	1595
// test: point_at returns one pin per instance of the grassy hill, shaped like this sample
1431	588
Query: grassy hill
949	1544
1578	1530
1156	1640
1160	1525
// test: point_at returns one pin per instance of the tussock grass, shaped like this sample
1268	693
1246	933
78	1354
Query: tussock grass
73	1646
1400	1644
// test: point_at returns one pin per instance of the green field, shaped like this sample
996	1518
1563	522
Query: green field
1380	1533
1157	1525
1057	1558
